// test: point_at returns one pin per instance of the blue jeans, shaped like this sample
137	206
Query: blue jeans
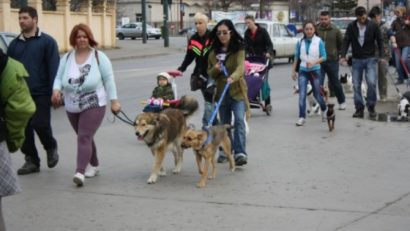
228	107
405	51
314	78
331	68
368	66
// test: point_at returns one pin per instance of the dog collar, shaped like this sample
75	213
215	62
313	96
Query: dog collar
208	140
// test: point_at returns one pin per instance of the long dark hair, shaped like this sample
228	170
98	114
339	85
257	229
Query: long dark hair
236	42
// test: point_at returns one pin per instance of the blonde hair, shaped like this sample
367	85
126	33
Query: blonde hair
401	9
201	17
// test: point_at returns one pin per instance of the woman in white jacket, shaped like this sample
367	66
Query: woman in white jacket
86	78
310	51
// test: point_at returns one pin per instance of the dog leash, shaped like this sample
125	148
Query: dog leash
216	108
395	86
124	118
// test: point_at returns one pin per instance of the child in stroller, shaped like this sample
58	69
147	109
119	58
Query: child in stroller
256	76
162	95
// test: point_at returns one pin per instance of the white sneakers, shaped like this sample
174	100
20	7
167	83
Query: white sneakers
91	171
300	122
342	106
78	179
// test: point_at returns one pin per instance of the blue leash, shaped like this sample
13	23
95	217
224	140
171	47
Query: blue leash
218	104
216	108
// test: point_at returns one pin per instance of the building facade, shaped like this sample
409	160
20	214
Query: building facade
101	17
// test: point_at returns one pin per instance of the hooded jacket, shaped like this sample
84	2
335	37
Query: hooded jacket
260	44
198	49
17	106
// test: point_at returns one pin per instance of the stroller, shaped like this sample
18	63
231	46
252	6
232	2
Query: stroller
157	105
256	74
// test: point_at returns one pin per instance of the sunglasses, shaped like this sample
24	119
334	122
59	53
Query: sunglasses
219	33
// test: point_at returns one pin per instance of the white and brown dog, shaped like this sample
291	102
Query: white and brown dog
163	132
404	106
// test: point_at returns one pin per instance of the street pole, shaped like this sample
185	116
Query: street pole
144	21
181	17
165	27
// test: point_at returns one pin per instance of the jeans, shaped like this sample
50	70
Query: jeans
382	80
313	77
40	123
368	66
331	68
228	107
404	52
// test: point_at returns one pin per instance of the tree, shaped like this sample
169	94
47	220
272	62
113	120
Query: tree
345	4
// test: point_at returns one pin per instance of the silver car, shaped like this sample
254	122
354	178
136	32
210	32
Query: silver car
5	40
134	30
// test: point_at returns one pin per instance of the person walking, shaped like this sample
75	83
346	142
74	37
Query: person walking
401	43
228	51
311	52
332	37
85	76
364	36
198	49
38	52
16	108
376	15
258	43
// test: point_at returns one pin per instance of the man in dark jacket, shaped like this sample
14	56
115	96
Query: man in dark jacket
258	43
332	37
363	34
39	54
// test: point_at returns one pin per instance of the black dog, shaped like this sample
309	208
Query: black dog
331	117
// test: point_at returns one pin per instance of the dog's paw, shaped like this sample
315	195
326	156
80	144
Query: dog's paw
211	177
162	172
176	170
200	184
232	169
152	179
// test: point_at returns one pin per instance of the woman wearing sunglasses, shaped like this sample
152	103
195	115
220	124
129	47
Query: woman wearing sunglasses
228	51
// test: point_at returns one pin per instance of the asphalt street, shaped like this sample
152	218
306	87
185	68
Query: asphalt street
297	178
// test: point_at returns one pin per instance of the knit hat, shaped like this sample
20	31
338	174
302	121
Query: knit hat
164	74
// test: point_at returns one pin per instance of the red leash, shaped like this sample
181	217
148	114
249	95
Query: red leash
397	51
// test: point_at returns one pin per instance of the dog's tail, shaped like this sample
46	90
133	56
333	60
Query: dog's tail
188	105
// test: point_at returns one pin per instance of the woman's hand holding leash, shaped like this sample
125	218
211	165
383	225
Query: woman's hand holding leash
56	99
115	106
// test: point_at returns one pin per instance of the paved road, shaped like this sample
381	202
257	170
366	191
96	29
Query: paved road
297	179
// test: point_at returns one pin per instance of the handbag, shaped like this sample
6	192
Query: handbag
197	82
298	61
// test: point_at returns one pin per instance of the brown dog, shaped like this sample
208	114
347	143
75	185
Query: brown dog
331	117
206	148
163	132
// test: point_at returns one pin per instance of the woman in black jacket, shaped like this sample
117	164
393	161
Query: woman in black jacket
198	49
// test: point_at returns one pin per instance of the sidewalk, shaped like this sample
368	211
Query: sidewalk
134	49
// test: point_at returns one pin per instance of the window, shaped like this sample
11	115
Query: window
284	31
50	5
18	3
275	30
138	17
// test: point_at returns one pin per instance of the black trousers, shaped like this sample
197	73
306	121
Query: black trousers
41	124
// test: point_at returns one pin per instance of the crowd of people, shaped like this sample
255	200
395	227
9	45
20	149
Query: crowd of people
83	81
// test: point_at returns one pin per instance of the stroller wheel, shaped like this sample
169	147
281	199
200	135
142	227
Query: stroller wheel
268	109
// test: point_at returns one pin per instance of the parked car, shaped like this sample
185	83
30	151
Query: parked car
5	40
134	30
342	23
284	42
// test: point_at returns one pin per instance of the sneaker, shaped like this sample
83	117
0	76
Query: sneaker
78	179
372	112
52	157
240	159
28	168
358	114
300	122
91	171
342	106
222	159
